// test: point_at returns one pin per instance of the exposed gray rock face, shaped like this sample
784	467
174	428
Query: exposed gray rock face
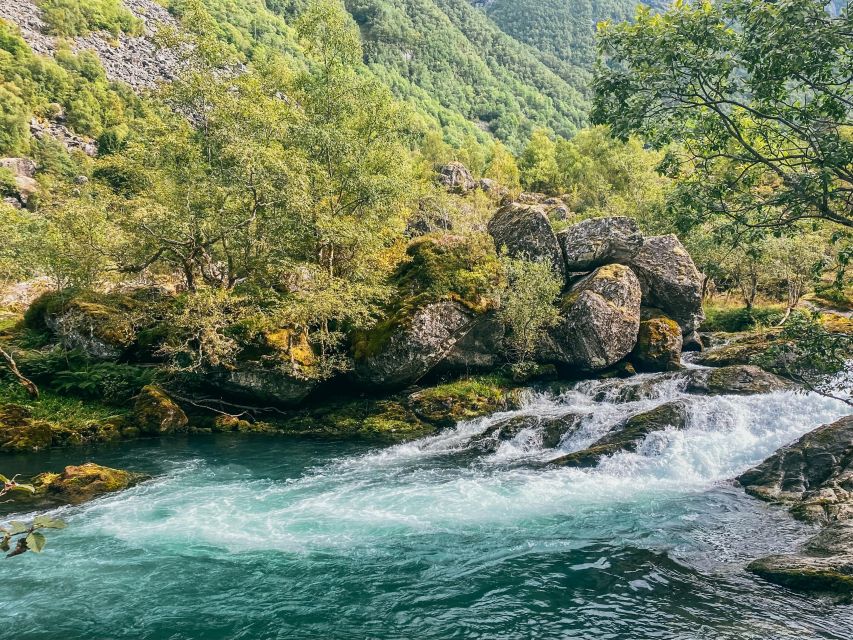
23	171
138	61
600	320
456	178
481	349
526	232
814	475
262	384
628	436
670	280
734	380
814	478
599	241
416	346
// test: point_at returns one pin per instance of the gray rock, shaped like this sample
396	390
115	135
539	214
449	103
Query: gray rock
526	232
599	241
628	435
670	280
825	564
456	178
600	321
261	384
481	349
814	475
734	380
416	346
20	167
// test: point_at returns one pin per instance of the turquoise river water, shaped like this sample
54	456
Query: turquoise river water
447	537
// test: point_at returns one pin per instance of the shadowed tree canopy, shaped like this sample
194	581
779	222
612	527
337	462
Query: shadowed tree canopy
754	97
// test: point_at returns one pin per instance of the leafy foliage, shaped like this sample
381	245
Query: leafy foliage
79	17
27	536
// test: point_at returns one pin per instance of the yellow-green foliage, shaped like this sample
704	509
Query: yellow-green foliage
439	267
79	17
31	84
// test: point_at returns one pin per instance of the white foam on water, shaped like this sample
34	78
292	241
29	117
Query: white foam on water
412	488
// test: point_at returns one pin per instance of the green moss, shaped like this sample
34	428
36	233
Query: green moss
439	267
446	404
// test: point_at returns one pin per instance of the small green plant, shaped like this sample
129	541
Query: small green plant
26	536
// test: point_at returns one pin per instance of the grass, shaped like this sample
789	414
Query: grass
731	317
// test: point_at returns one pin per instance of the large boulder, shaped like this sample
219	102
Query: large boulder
447	404
734	380
628	436
456	178
103	326
23	172
670	280
481	349
659	343
600	319
155	413
599	241
402	351
525	232
813	476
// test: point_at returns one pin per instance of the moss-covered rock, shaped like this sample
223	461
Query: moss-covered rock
155	413
103	326
446	404
659	343
734	380
525	232
20	433
736	349
77	484
628	436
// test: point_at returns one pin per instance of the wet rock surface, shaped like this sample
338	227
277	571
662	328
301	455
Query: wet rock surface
628	436
736	379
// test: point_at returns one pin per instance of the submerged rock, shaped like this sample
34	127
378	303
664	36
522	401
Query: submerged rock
670	280
825	564
155	413
628	435
814	475
659	343
737	379
599	322
599	241
525	232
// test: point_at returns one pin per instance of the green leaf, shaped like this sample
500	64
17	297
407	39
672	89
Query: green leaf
16	527
3	478
36	541
23	487
48	523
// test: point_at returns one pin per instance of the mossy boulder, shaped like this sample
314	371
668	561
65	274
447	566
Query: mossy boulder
525	232
20	433
600	319
599	241
77	484
447	404
103	326
155	413
738	348
659	343
670	280
628	436
734	380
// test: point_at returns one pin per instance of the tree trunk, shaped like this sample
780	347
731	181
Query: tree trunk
28	384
